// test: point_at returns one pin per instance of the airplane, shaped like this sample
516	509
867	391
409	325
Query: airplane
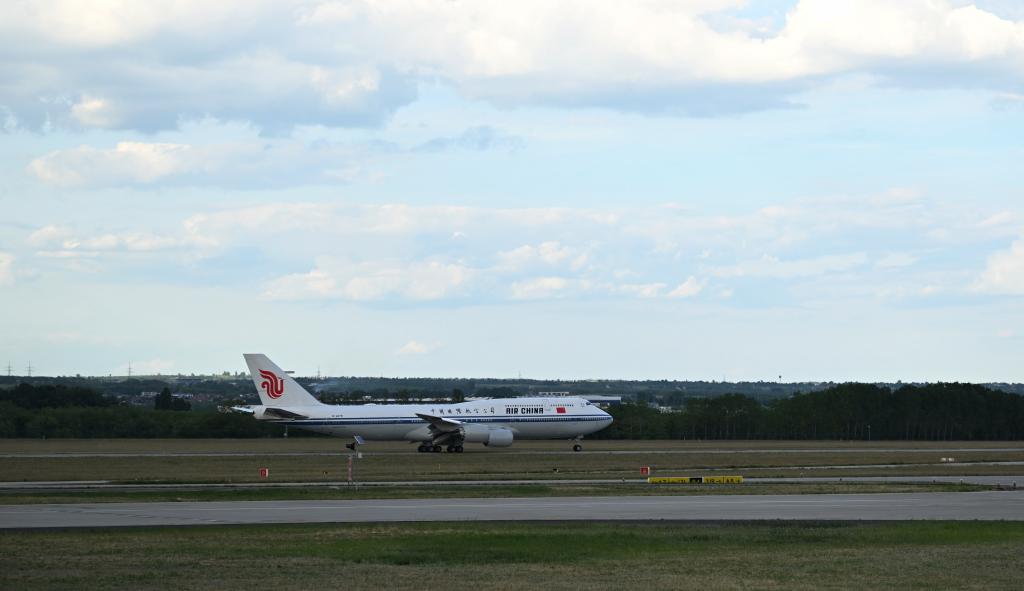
493	422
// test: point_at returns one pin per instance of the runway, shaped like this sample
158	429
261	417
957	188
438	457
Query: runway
1007	505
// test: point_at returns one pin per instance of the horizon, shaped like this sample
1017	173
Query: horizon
236	376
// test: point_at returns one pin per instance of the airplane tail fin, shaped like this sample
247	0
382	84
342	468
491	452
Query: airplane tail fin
275	387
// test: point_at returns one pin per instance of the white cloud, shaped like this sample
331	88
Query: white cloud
113	65
245	164
94	112
550	253
422	281
478	138
406	253
6	268
579	52
247	224
249	162
998	220
772	267
687	289
417	348
1004	273
67	254
679	231
641	290
57	242
312	285
540	288
1009	100
127	163
896	260
48	235
371	229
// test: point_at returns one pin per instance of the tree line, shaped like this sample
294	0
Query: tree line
846	411
54	396
130	422
73	411
944	411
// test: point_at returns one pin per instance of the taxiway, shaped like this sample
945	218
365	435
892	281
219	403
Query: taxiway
1006	505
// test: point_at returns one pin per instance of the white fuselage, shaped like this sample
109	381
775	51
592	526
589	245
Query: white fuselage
527	418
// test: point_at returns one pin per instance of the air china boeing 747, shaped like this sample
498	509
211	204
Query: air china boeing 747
493	422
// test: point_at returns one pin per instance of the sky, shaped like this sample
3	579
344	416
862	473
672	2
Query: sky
810	190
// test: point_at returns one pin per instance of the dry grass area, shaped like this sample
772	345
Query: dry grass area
322	459
919	555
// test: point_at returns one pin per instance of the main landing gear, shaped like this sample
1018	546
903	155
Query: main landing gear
577	447
427	448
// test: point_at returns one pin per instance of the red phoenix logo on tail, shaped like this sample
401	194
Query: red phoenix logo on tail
271	384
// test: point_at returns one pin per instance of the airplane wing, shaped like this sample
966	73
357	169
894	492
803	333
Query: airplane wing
284	414
269	411
442	424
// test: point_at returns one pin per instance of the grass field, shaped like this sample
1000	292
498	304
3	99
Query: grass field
919	555
321	459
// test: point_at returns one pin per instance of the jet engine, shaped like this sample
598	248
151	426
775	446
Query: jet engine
499	438
488	437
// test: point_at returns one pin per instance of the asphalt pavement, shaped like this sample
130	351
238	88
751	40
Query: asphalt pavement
995	505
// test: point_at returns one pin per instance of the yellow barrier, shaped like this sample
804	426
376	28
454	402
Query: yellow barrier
723	480
695	480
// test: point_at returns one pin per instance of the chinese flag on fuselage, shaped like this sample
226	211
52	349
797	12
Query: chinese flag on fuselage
560	410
